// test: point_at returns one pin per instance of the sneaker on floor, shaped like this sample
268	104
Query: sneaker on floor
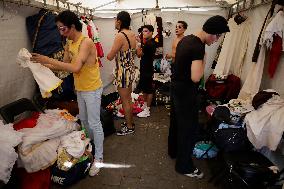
144	113
195	174
125	130
95	169
119	114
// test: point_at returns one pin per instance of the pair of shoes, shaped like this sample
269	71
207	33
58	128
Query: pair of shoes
125	130
144	113
196	173
95	168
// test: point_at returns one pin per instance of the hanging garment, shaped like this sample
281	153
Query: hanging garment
9	138
274	40
159	38
44	77
96	39
274	55
253	80
231	58
84	29
43	33
276	26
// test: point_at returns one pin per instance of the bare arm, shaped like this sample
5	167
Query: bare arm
197	70
139	52
117	44
84	52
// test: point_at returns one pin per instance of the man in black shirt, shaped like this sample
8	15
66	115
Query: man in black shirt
147	53
189	68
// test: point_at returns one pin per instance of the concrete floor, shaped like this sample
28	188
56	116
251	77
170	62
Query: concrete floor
147	151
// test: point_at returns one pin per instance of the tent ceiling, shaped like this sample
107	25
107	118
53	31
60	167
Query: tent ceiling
130	4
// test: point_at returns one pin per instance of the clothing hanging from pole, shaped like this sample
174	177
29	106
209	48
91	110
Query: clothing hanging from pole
253	80
231	58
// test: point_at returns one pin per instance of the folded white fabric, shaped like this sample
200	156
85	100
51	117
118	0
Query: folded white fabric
75	143
44	77
9	138
39	147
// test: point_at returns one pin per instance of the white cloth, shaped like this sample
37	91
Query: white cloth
40	144
84	29
9	138
43	155
231	57
253	80
44	77
74	144
276	26
265	125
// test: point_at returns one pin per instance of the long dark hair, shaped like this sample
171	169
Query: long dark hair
125	19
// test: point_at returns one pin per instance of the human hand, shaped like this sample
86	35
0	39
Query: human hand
37	58
138	39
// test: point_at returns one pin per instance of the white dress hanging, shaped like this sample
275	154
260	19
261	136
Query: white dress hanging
231	58
44	77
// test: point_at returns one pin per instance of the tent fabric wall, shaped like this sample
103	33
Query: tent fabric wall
15	81
194	21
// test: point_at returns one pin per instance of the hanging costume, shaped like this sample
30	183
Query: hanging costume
231	58
44	77
253	80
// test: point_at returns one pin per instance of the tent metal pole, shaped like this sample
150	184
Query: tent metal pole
184	7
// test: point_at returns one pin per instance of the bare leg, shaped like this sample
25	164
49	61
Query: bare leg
148	99
125	95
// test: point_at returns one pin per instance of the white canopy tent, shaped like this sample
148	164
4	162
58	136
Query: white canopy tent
16	82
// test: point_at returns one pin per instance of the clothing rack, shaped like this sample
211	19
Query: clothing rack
244	5
183	7
80	10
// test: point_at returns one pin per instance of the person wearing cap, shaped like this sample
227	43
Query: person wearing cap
189	68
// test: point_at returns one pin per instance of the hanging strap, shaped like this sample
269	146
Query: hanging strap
257	46
37	29
126	39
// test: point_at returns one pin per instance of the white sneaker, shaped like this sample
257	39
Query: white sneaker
95	169
144	106
195	174
119	114
144	113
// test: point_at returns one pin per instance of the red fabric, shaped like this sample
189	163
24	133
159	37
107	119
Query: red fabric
100	50
27	122
90	34
227	89
37	180
275	54
233	87
214	89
